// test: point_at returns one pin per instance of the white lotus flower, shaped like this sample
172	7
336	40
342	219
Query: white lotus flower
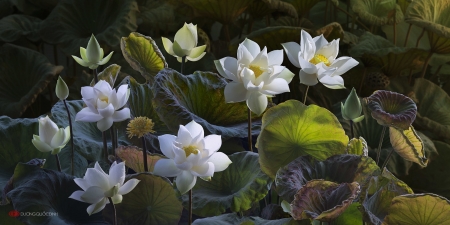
98	186
255	75
317	60
92	56
50	139
184	44
103	104
191	155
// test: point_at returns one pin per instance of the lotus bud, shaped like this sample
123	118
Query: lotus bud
184	44
62	91
92	56
351	109
51	138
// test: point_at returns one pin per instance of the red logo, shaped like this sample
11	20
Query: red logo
14	213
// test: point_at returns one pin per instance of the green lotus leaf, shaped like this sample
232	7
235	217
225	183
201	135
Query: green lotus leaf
392	109
291	129
430	15
225	12
357	146
16	26
152	201
234	218
72	22
401	31
133	158
408	145
323	200
376	51
87	138
351	215
48	191
377	13
20	85
153	12
433	105
429	209
261	8
35	7
303	6
109	74
249	185
339	168
6	8
179	99
143	55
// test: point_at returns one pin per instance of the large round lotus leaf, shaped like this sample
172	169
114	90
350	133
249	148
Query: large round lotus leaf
339	168
433	105
234	218
407	144
292	129
303	6
223	11
87	137
47	191
323	200
179	99
426	209
16	26
152	201
377	13
376	51
20	85
431	16
133	158
35	7
351	215
6	8
72	23
237	188
143	55
153	12
401	31
358	146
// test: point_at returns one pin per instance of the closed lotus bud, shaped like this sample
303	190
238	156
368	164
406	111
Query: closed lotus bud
351	109
185	44
92	56
62	91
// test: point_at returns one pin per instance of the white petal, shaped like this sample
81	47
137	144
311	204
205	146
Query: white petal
235	92
67	135
178	50
77	195
128	186
292	50
122	95
41	146
320	41
307	66
58	139
213	142
99	168
102	87
330	51
252	47
195	129
277	86
121	115
343	64
47	129
91	104
227	68
197	52
167	45
185	181
180	155
324	70
166	168
275	57
307	46
105	123
287	75
97	207
93	194
257	102
86	115
97	177
82	183
185	166
308	79
193	29
184	136
117	174
243	55
81	61
262	59
88	92
112	99
166	145
185	38
83	54
189	58
204	170
108	111
220	161
106	59
333	82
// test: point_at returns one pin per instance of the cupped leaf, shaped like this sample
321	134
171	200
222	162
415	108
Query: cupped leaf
408	145
143	55
323	200
20	85
152	201
237	188
133	158
225	12
16	26
339	168
358	146
376	12
392	109
292	129
109	74
47	191
179	99
72	23
351	215
426	209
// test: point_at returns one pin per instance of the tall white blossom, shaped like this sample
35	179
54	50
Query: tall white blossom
51	138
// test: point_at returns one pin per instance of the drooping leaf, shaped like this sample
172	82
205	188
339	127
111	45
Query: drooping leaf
303	6
179	99
143	55
109	74
153	12
20	85
426	209
72	23
323	200
16	26
351	215
31	7
358	146
133	158
152	201
292	129
236	188
377	13
408	145
224	12
48	191
340	169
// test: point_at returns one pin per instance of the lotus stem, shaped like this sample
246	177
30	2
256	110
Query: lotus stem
190	207
420	37
387	160
437	72
362	80
407	34
113	138
144	154
183	60
71	134
114	211
351	129
395	32
425	64
58	163
306	94
348	14
105	145
326	11
380	143
227	33
94	72
250	142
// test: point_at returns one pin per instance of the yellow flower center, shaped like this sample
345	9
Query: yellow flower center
139	126
190	150
318	58
256	70
104	99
